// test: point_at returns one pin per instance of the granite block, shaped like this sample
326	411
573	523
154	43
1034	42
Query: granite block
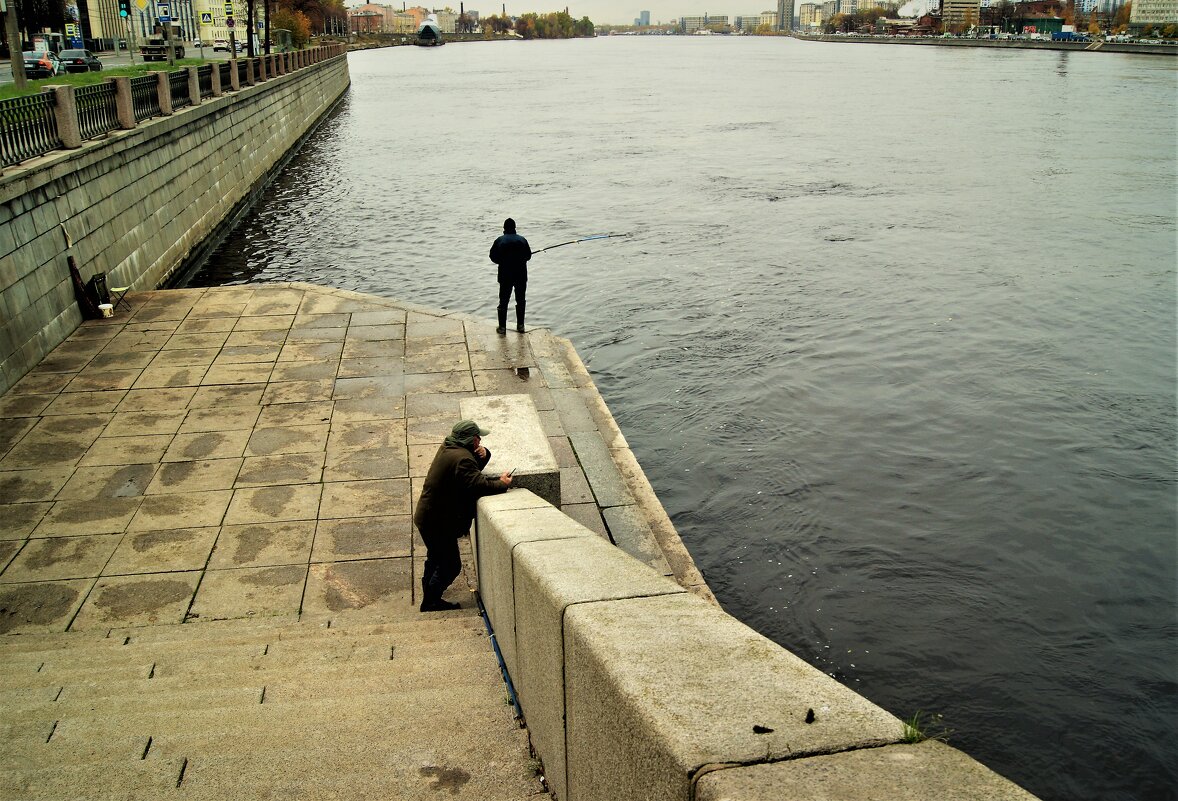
551	576
658	688
928	771
500	529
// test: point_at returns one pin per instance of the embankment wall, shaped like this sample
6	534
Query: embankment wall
634	688
1135	48
138	202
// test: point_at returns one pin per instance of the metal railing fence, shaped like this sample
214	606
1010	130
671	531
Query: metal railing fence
28	127
145	97
29	124
204	74
178	84
97	109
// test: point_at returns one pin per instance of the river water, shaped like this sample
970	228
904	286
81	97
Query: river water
893	335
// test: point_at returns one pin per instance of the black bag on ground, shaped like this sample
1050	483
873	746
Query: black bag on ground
96	289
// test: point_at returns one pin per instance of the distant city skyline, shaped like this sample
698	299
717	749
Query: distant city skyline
624	12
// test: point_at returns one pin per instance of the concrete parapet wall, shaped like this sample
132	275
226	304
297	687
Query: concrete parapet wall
635	689
137	202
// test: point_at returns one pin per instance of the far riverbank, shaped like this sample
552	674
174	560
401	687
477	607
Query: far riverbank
1016	44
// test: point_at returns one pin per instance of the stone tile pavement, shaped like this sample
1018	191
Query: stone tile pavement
256	451
208	570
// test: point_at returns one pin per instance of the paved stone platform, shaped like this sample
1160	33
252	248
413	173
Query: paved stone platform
237	466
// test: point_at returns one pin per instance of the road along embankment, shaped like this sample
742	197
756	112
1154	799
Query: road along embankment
138	203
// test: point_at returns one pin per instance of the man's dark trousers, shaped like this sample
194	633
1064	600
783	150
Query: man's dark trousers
517	281
442	565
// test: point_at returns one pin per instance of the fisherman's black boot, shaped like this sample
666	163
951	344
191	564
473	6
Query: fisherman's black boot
519	317
502	329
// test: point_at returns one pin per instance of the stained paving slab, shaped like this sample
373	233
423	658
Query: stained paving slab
250	457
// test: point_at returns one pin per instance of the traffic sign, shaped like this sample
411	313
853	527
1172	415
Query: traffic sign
229	22
206	18
164	12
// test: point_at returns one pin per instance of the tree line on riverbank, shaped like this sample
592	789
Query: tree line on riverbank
554	25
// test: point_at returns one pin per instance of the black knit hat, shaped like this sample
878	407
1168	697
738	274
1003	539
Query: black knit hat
509	226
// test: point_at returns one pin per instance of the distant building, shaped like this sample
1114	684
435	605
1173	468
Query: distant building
960	14
848	6
403	22
367	19
785	15
810	15
708	22
644	18
1153	12
829	9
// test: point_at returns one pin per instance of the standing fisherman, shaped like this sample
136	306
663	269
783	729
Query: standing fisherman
511	252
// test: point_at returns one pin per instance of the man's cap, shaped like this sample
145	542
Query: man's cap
467	429
508	226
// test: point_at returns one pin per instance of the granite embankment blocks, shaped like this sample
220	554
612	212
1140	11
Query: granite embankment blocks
517	442
203	455
637	690
928	771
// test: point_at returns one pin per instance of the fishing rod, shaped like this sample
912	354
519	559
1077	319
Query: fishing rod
575	241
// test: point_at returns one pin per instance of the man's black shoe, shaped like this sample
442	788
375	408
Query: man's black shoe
500	330
520	328
438	606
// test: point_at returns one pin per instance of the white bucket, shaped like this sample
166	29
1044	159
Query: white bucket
107	309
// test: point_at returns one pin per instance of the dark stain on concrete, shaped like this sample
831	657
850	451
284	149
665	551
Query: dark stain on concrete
451	779
270	440
48	451
129	481
7	549
143	597
156	539
175	473
89	511
297	469
19	488
272	501
275	576
360	538
23	405
12	431
71	425
59	550
251	542
358	584
203	446
35	604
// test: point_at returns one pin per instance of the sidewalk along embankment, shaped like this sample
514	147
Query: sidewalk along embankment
138	203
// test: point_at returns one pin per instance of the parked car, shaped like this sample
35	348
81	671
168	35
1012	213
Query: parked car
80	61
42	64
221	44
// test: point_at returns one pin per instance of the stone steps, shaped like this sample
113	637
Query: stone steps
234	689
352	725
254	670
231	631
141	660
